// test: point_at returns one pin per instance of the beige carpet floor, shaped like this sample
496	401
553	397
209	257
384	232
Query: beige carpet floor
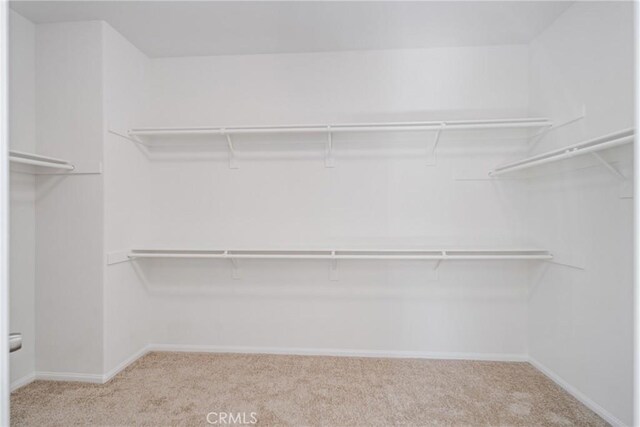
182	388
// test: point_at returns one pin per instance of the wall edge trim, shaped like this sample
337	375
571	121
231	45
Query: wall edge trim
124	364
68	376
184	348
23	381
499	357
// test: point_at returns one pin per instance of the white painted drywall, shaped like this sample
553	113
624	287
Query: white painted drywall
379	194
125	178
580	321
310	88
241	28
22	110
69	210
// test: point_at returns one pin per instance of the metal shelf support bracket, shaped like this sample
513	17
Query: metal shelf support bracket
236	272
615	172
431	158
232	154
537	137
329	160
333	268
438	262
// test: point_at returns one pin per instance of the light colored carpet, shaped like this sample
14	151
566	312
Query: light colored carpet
182	388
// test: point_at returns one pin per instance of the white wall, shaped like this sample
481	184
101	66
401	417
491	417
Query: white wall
22	194
69	210
580	321
379	194
324	87
76	63
125	176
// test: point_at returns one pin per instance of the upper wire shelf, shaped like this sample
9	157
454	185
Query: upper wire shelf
142	135
349	127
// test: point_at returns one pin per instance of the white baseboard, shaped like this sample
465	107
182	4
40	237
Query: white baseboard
606	415
338	352
72	376
21	382
69	376
101	379
121	367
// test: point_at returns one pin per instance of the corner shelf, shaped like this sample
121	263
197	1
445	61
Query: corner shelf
35	163
592	146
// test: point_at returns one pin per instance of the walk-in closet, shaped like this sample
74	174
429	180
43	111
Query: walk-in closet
320	213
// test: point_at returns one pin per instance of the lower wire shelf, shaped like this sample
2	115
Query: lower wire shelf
345	254
235	256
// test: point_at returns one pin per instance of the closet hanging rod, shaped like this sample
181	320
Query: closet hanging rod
363	127
612	140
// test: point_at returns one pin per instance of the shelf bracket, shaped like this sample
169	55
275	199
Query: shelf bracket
535	139
236	272
329	160
626	185
609	167
128	136
438	262
232	153
431	158
333	268
117	257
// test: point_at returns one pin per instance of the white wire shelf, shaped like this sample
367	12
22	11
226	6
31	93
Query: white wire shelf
37	162
591	146
145	135
437	256
349	127
349	254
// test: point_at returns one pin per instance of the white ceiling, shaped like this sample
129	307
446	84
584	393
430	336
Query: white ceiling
192	28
